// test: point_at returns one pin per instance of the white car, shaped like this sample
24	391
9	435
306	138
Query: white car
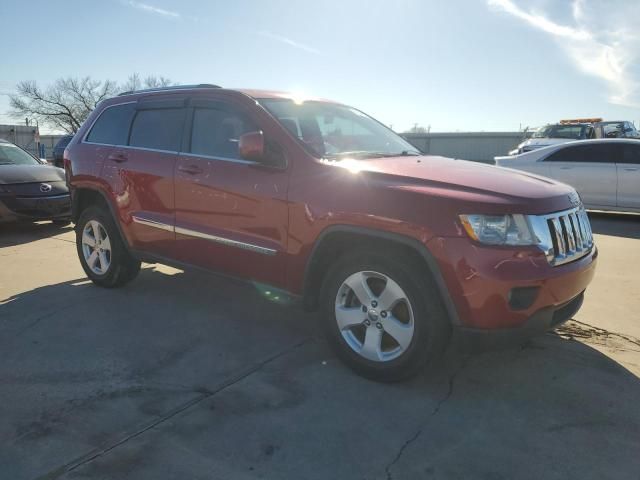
606	173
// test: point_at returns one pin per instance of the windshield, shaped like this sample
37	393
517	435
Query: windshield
574	132
14	155
330	130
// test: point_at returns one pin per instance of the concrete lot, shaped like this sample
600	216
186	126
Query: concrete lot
184	375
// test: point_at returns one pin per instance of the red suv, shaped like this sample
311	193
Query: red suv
315	198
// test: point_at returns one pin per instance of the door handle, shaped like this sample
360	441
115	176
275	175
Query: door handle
631	169
118	157
190	169
566	168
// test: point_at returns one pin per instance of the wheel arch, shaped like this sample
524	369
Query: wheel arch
84	197
337	239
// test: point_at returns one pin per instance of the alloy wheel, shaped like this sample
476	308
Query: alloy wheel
374	316
96	247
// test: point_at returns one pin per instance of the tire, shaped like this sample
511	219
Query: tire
112	265
412	333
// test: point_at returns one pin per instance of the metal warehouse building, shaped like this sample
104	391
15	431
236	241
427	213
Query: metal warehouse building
476	146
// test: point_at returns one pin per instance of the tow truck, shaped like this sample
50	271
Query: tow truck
576	129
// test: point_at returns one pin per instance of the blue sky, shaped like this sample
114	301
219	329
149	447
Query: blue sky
453	65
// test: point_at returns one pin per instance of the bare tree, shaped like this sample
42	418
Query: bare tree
67	103
63	105
418	129
134	82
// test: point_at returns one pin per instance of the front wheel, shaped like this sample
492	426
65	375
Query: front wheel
102	252
383	316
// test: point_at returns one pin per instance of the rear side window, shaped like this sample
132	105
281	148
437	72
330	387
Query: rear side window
216	132
112	126
160	129
598	153
631	154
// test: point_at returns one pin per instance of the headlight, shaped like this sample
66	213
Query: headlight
499	229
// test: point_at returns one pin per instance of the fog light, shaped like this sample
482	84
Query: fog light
521	298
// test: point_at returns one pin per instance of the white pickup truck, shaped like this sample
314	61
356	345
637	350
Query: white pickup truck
576	129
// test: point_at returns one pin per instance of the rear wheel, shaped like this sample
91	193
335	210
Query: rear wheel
102	252
383	317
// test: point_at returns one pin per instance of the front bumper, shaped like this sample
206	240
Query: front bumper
502	288
478	339
34	208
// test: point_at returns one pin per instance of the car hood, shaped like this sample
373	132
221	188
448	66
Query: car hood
13	174
470	182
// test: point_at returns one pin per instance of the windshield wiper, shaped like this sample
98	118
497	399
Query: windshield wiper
370	154
353	153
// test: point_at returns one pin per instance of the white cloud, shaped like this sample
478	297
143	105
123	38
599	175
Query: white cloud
288	41
595	49
152	9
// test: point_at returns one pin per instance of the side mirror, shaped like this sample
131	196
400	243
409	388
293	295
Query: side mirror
251	146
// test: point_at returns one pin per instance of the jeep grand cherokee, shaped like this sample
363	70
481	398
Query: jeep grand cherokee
398	250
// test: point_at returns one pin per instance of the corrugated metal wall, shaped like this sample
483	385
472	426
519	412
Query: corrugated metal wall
476	146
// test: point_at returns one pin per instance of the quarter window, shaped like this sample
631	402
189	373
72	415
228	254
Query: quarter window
112	126
159	129
599	153
216	132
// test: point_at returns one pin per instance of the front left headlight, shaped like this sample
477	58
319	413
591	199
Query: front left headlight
511	229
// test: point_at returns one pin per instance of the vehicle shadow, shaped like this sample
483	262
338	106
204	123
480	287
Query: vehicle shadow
85	367
615	224
18	233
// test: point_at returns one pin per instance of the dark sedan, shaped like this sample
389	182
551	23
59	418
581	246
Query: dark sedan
30	190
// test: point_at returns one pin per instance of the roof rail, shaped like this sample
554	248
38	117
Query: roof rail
172	87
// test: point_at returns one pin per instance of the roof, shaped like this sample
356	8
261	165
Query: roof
253	93
275	94
170	88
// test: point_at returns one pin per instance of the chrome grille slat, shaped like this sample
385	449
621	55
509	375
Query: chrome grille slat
583	229
561	247
588	226
568	235
576	228
571	241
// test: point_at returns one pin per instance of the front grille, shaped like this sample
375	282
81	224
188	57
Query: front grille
566	236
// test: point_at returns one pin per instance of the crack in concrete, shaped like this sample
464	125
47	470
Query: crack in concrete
52	313
434	412
206	394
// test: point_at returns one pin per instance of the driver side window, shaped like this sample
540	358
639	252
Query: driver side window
216	132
